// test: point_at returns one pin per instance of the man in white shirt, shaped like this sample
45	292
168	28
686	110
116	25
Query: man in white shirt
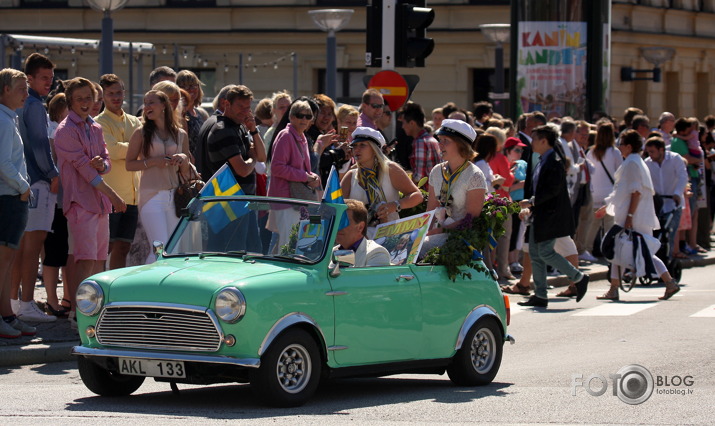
367	252
670	177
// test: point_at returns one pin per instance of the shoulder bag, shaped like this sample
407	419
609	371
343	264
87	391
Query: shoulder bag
187	190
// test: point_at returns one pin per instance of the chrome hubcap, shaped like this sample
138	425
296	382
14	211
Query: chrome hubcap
483	350
294	368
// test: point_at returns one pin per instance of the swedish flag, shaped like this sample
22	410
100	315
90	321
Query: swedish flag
334	194
219	215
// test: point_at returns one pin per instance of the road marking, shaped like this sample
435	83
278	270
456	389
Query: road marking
515	309
707	312
615	310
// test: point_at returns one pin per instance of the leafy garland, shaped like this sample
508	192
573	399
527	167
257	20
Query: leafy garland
474	232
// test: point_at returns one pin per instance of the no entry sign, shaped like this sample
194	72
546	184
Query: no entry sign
392	86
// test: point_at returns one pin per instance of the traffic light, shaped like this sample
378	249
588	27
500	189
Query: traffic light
412	45
373	37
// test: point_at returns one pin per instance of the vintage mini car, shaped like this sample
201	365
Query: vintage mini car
216	307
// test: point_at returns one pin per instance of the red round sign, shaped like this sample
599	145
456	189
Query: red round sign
393	87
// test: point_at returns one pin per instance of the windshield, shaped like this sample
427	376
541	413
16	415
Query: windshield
293	230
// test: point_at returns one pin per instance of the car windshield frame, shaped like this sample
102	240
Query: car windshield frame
327	213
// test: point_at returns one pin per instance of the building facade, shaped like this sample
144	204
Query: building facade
271	45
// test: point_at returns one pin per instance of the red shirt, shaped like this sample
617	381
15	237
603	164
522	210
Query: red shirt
500	166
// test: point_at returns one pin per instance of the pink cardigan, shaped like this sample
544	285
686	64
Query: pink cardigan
74	151
290	162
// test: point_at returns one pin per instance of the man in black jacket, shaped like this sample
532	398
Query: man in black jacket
547	202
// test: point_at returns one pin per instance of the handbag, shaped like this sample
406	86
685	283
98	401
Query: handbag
301	190
187	190
624	250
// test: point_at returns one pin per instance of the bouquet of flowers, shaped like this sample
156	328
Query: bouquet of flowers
468	240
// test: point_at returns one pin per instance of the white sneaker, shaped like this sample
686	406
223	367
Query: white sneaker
29	311
587	257
25	329
7	331
15	305
516	267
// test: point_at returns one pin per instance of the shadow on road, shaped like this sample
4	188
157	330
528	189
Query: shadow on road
334	397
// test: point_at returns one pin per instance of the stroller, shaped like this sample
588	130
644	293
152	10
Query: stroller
664	253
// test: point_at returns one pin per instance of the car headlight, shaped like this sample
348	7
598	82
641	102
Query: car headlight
90	298
230	305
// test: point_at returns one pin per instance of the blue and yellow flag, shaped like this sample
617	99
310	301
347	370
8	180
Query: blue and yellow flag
334	194
219	215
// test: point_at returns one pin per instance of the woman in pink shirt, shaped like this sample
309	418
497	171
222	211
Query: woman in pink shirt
87	201
290	162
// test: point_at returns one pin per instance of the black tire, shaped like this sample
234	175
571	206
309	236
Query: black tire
676	270
290	370
104	382
646	281
477	362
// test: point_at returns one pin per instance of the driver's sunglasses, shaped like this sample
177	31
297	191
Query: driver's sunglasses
304	116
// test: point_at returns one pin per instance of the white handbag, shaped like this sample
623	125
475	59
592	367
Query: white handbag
623	250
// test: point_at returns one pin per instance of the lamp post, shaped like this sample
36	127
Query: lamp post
499	34
331	21
106	64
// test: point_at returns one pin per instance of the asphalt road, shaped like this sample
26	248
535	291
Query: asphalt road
672	340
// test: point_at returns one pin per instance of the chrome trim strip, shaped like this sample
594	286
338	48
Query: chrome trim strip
474	316
405	277
113	353
337	348
285	322
336	293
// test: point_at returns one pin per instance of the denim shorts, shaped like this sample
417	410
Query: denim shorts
13	216
123	226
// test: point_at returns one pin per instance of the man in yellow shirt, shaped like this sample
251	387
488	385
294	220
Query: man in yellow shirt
118	128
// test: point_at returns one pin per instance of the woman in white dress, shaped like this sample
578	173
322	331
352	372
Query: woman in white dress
457	186
631	205
377	181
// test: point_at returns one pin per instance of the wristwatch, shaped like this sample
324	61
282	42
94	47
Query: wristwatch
253	132
399	207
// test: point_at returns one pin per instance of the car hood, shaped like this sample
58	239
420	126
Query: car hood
185	281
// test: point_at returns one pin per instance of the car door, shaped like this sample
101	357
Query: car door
378	315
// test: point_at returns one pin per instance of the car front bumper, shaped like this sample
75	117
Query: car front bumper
202	359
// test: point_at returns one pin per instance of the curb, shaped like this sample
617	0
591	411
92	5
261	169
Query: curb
12	356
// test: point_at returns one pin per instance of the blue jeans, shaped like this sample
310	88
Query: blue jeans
543	254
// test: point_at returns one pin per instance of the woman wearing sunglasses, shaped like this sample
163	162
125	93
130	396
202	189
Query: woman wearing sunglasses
377	181
290	162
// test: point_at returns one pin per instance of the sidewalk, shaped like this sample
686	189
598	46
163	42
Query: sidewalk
54	340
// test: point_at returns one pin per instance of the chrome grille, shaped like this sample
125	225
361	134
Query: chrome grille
159	327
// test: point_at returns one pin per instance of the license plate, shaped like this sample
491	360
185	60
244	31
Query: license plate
151	368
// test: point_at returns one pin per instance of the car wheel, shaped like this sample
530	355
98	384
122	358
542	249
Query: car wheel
290	370
104	382
477	362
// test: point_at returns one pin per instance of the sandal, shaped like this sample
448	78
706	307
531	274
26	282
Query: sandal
609	295
569	292
61	312
701	249
516	289
670	293
680	255
67	306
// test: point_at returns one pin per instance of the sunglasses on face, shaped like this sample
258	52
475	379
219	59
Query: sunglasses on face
377	106
304	116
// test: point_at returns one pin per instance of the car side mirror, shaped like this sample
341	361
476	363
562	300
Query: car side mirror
158	248
344	258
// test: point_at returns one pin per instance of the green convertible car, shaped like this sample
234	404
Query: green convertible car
216	308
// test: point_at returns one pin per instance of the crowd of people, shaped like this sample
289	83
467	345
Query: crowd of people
80	176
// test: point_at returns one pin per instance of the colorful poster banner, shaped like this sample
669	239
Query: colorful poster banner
403	238
551	69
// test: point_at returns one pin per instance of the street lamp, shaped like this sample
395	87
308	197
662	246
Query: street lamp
499	34
656	56
331	21
106	65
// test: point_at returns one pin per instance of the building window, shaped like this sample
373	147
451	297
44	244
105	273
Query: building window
350	85
190	3
341	3
483	84
44	4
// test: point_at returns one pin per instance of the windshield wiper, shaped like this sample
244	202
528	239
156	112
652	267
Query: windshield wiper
294	256
231	253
